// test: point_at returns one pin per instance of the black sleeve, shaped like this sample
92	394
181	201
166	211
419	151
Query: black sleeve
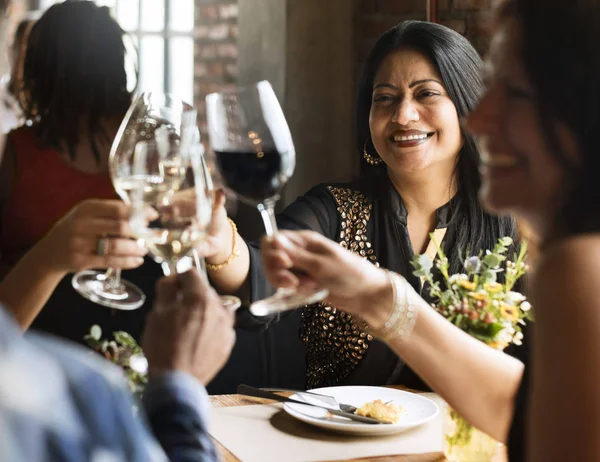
516	436
182	434
316	211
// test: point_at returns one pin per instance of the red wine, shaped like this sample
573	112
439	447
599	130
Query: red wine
253	176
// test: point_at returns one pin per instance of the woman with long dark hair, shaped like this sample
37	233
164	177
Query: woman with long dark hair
56	197
538	120
420	175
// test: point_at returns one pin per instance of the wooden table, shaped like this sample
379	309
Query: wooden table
240	400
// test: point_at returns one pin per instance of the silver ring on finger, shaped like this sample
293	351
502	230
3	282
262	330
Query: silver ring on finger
102	246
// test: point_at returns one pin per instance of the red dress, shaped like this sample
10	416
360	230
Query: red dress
44	188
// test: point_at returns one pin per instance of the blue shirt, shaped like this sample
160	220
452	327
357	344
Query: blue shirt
59	402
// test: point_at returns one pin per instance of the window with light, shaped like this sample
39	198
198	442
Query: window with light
163	33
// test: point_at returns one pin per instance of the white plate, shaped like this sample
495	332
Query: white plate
419	410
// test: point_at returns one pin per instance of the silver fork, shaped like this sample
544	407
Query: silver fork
326	399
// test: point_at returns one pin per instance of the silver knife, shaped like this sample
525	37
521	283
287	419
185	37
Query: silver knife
258	393
326	399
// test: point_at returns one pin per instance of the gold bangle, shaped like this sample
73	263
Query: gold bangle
234	250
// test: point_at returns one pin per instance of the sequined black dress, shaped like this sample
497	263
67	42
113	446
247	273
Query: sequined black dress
369	218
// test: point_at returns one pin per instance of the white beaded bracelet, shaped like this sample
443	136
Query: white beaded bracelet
404	314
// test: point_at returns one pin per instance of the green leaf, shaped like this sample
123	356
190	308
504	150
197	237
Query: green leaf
125	339
492	260
529	315
482	337
495	328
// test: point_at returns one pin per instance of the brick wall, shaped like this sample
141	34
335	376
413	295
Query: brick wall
377	16
216	50
468	17
465	16
216	34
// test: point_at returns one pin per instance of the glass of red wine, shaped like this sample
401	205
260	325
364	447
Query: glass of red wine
255	155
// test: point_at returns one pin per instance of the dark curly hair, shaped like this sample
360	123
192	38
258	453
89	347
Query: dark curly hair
74	74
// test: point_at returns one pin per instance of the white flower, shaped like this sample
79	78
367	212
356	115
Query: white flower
519	336
138	363
525	306
458	277
515	297
96	332
504	336
517	339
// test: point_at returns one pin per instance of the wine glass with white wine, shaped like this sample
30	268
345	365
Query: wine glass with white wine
180	217
153	118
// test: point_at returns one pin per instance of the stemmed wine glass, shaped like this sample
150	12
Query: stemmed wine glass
181	216
149	113
255	155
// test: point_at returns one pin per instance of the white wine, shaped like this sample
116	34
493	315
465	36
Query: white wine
172	172
153	187
170	245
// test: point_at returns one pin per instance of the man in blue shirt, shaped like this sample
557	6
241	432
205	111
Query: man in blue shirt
62	403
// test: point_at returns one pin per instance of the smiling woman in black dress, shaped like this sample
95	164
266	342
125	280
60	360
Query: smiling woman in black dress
420	175
539	121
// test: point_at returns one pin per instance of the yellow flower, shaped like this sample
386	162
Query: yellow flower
498	345
493	287
468	285
480	296
509	312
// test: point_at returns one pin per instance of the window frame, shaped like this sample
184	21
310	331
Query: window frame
166	34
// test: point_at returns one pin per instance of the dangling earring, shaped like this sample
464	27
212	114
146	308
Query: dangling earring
371	160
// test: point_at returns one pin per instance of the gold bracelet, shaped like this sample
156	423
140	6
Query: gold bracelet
234	250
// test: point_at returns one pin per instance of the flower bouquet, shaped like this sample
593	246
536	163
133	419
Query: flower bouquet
489	310
125	353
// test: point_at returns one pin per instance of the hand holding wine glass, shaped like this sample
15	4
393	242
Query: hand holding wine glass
255	155
152	118
72	242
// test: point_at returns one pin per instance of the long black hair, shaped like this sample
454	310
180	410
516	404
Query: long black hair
74	74
558	47
460	68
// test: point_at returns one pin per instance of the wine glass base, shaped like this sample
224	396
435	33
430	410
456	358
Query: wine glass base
286	299
92	285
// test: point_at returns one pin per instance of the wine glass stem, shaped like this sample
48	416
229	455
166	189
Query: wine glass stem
200	263
113	278
267	212
169	268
